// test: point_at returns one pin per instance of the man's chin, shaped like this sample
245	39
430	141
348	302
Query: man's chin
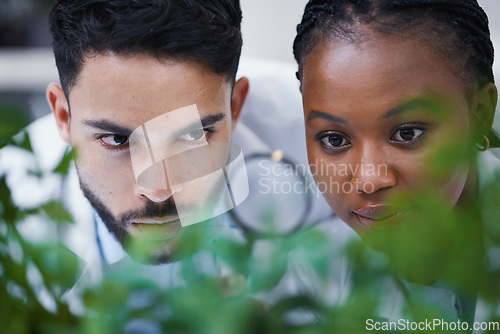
152	252
152	243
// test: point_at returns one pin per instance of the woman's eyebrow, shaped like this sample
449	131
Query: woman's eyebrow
108	126
323	115
413	104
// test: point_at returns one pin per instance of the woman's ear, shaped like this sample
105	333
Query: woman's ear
484	108
60	108
240	91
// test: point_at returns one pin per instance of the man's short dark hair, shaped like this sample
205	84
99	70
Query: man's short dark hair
207	31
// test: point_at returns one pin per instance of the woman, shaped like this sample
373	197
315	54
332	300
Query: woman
385	85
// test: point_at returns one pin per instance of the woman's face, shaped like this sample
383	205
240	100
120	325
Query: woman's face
375	111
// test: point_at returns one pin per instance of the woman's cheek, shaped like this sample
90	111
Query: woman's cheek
332	182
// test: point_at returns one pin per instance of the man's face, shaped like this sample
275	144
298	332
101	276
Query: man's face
115	95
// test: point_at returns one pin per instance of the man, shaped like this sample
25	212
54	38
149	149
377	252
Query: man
123	65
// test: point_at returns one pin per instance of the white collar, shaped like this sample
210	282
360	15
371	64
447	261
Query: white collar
111	250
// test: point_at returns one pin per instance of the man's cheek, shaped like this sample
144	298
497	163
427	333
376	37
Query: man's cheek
91	173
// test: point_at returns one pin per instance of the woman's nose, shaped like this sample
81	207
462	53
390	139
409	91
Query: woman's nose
373	172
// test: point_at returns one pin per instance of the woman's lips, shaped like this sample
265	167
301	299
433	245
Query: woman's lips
379	213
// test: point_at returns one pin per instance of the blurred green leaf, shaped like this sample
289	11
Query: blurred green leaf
235	254
65	163
10	213
494	138
56	212
266	270
58	266
22	140
14	271
12	120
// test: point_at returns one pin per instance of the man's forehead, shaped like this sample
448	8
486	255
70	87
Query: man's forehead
109	62
134	89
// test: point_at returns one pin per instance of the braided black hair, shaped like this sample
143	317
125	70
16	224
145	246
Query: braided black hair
459	28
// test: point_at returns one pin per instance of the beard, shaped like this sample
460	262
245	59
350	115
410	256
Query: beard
117	225
156	251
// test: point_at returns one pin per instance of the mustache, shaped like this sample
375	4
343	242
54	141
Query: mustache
151	210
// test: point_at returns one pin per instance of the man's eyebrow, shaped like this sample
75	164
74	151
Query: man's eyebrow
212	119
111	127
413	104
108	126
323	115
206	121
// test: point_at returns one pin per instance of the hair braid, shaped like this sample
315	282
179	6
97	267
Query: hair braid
464	20
468	15
314	11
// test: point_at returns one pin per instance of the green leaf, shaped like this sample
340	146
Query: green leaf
56	212
235	254
12	120
14	271
65	163
10	213
58	266
266	271
4	142
22	140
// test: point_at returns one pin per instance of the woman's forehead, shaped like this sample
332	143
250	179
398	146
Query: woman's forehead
377	65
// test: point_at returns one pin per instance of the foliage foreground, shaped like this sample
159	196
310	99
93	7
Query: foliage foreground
458	249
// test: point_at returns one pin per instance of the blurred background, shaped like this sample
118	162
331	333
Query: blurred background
27	65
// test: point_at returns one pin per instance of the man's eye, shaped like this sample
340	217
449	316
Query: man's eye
114	141
408	134
196	135
333	140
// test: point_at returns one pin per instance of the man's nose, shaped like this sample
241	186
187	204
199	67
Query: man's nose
374	172
156	195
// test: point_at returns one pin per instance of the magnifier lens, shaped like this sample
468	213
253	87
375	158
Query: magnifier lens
277	202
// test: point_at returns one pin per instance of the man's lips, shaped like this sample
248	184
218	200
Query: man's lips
155	220
373	213
161	228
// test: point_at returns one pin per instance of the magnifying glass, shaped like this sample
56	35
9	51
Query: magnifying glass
278	202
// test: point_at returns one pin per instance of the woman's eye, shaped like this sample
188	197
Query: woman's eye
407	134
114	141
334	140
196	135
